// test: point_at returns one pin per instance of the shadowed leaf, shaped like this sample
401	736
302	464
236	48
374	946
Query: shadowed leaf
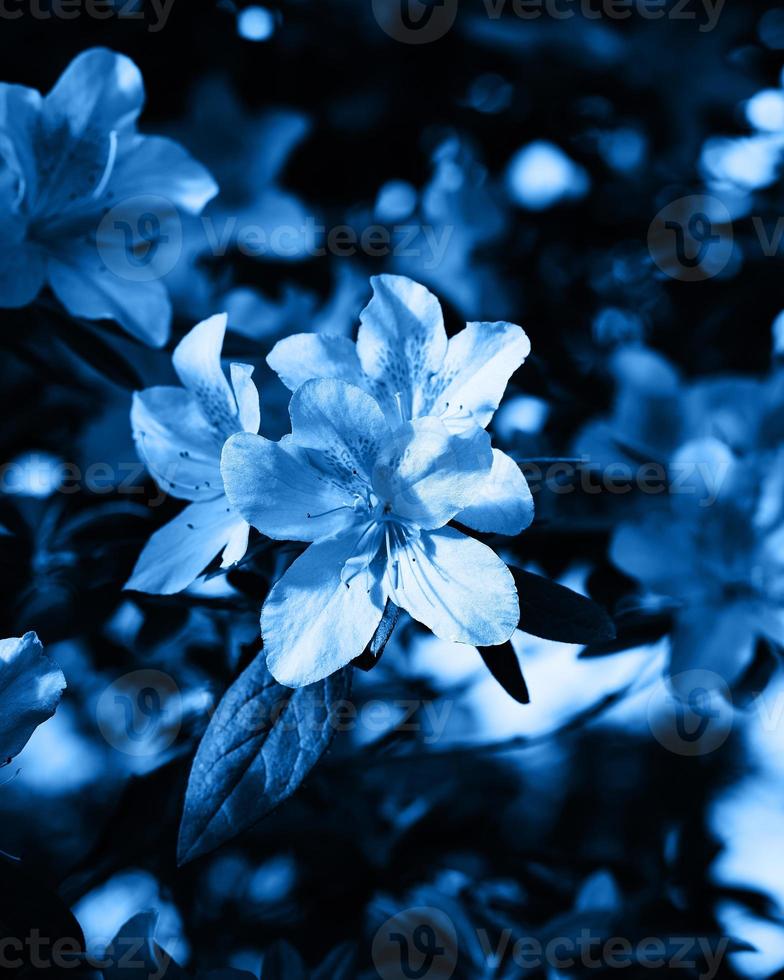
369	657
262	741
503	664
553	612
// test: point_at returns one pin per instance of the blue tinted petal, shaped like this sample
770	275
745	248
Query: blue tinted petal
457	587
661	553
85	117
275	489
176	444
154	165
304	356
177	554
343	424
22	273
31	685
237	545
427	474
246	395
86	287
715	639
99	91
197	362
504	504
477	367
401	343
314	622
20	117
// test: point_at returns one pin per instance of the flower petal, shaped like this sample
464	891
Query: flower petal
275	488
180	551
177	445
100	90
313	623
304	356
457	587
658	551
714	639
426	474
237	545
86	287
479	362
94	103
22	273
247	396
504	504
197	362
31	685
160	167
20	118
401	343
343	424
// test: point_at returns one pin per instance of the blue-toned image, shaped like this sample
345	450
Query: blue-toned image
392	490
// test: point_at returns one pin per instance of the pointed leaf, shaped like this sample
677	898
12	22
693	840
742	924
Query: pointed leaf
282	962
135	955
339	964
371	655
98	350
553	612
633	630
503	664
31	907
262	741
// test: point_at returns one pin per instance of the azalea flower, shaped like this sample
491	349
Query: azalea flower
403	358
31	685
717	554
655	411
374	496
85	200
179	434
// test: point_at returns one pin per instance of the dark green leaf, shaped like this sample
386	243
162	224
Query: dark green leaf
369	657
31	908
339	964
503	664
97	350
262	741
633	630
553	612
282	962
134	954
